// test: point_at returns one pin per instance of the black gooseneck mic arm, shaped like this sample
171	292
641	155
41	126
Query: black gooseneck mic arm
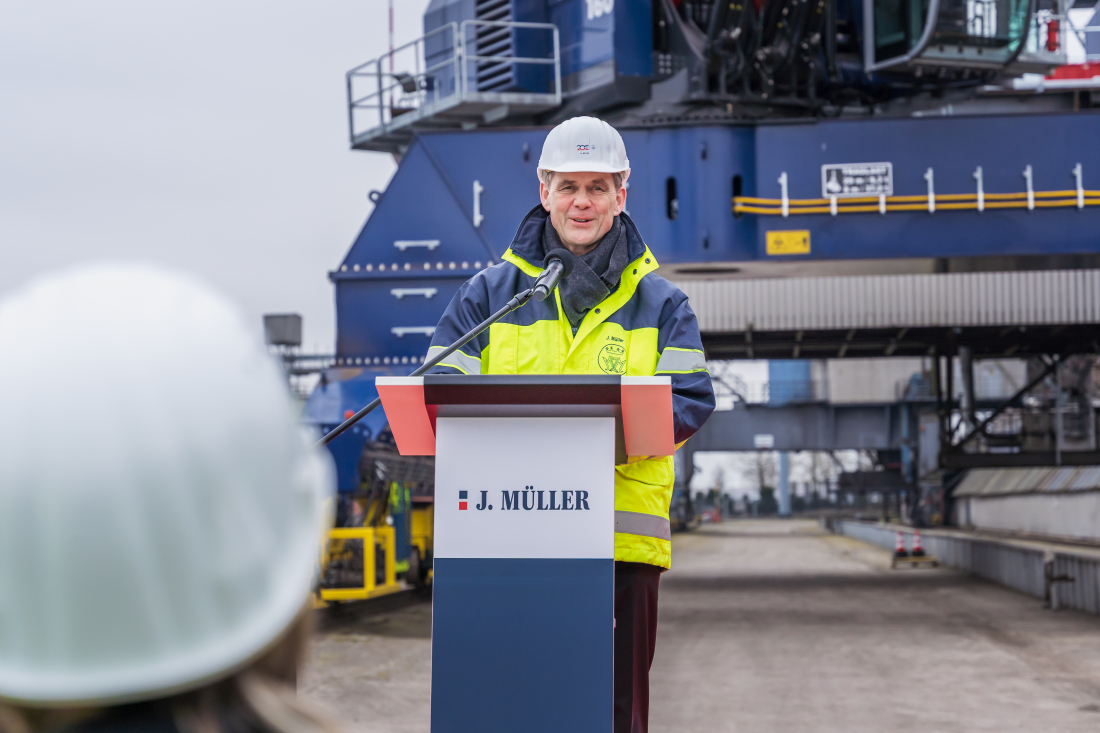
558	264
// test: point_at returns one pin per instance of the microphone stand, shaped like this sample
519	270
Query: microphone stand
512	304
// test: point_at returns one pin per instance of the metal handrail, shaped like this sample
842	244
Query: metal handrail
1082	36
391	87
555	60
453	27
392	83
1036	40
373	68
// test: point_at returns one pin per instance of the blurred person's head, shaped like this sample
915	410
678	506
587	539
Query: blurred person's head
160	511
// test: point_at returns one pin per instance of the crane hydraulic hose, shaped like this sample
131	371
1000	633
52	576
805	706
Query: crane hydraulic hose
943	202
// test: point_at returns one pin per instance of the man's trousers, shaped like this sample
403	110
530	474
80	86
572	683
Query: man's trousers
635	638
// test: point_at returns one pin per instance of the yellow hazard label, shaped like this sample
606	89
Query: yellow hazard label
795	242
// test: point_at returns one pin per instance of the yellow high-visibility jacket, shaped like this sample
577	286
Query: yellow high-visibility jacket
645	327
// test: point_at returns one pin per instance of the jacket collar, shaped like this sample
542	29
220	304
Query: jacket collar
526	254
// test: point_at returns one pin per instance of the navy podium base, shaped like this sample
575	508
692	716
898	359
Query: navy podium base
497	658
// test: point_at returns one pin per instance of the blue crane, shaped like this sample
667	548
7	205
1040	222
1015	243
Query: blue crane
768	139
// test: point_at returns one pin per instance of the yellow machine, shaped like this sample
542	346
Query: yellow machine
915	561
422	523
359	564
386	543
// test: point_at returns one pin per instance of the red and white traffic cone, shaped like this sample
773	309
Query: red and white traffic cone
899	546
918	551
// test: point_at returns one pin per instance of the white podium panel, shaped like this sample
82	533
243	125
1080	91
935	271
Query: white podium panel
525	488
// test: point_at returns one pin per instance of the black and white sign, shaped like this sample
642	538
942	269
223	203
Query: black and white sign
763	441
847	180
500	494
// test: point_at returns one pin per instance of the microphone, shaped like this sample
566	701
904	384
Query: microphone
558	264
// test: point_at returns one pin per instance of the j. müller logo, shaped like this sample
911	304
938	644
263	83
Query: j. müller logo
531	499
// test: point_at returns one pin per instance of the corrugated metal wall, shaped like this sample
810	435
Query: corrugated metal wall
999	481
870	381
897	301
1081	589
1066	515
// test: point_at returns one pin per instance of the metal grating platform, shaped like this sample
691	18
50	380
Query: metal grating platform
458	76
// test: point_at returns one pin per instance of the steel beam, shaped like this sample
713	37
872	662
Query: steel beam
1018	460
803	427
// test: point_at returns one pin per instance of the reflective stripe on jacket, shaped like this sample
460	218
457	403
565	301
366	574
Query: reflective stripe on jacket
645	327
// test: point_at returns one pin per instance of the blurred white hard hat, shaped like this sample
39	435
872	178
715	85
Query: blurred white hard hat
160	511
584	144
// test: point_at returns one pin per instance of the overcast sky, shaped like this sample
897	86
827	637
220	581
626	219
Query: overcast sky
210	137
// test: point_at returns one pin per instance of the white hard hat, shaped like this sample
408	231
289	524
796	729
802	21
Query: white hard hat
160	511
584	144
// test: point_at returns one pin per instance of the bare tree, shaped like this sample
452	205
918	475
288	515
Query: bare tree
821	469
761	469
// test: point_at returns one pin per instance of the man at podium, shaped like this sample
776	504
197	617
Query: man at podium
610	315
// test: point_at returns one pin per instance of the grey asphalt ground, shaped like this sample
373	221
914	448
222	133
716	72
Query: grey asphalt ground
777	626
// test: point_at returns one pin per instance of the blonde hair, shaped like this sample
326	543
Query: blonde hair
546	176
263	692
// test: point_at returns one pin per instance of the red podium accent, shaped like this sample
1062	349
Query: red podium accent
647	416
411	421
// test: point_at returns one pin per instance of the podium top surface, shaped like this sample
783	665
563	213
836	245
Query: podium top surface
524	389
641	406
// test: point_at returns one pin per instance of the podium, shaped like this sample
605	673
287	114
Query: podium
524	575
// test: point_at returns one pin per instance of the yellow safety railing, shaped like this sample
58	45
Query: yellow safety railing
939	202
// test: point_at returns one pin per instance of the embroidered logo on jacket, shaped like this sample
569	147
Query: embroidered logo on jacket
612	359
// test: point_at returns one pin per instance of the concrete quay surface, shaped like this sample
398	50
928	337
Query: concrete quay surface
779	626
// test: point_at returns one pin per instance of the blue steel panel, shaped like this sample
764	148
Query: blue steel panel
634	38
953	147
421	202
532	43
431	197
789	381
522	645
584	41
440	48
367	310
705	229
495	159
440	12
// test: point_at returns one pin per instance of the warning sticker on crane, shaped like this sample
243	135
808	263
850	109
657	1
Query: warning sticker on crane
791	242
848	180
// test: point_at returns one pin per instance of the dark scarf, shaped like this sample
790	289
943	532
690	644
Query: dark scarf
595	275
